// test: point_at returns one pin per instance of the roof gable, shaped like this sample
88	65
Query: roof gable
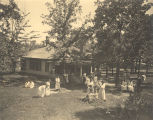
41	53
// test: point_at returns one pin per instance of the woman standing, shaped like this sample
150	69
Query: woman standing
57	85
102	91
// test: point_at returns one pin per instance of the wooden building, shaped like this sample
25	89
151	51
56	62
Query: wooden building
41	61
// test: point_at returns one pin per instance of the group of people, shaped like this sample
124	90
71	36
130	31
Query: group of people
132	85
128	86
44	90
94	86
29	84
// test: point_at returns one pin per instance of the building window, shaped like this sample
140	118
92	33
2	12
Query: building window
35	65
46	67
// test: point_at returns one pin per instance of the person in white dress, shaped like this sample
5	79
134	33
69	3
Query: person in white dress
27	84
57	84
131	86
124	85
47	91
42	90
102	91
144	77
32	84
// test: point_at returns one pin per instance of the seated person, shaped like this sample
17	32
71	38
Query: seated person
124	85
131	86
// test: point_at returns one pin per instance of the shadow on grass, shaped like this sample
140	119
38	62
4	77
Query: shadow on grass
16	80
111	114
36	96
99	114
77	87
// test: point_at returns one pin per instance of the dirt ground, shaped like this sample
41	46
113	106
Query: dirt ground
19	103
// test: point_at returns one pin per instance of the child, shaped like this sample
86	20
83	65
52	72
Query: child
131	86
124	85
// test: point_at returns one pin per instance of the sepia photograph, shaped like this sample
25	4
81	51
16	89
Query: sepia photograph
76	59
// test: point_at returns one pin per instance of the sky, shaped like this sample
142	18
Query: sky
38	7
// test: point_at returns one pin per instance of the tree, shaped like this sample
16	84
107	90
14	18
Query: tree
113	21
147	55
12	29
61	18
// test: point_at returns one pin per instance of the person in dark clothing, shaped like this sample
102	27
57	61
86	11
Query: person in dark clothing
139	81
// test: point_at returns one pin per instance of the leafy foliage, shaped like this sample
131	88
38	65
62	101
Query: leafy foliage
62	15
137	105
121	30
12	31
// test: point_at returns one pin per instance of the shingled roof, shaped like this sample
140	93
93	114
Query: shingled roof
41	53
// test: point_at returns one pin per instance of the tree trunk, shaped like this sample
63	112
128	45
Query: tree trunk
75	68
147	67
139	66
132	67
117	80
106	71
13	66
98	72
136	66
81	70
112	69
91	69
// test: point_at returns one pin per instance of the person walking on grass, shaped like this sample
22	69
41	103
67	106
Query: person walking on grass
95	80
87	83
102	91
57	84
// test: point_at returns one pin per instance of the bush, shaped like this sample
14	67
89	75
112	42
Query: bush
138	106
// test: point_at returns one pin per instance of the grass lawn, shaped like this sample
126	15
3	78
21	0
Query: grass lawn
19	103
